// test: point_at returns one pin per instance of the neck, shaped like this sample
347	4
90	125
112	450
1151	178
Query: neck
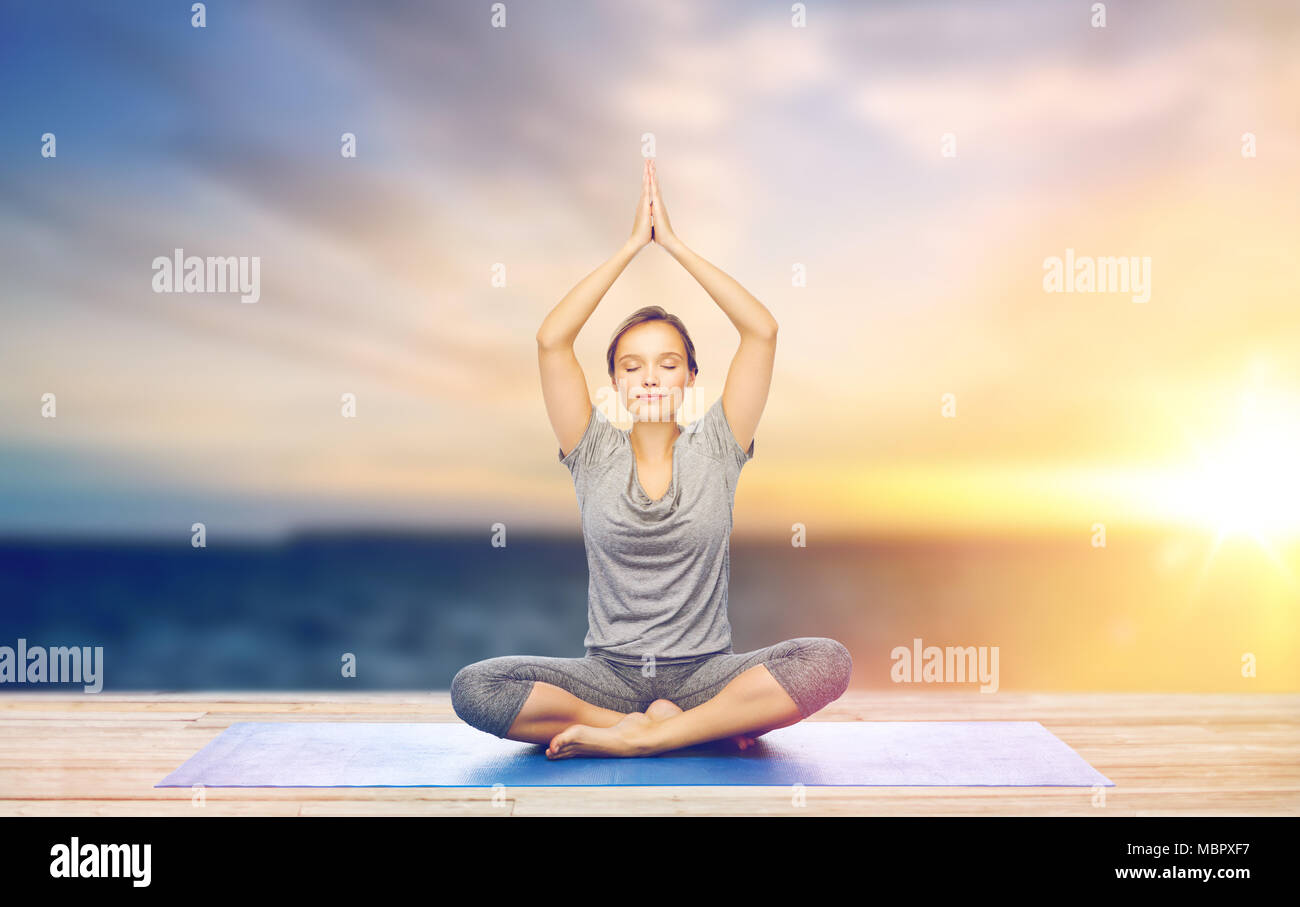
655	439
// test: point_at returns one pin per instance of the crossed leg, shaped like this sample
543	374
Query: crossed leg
760	691
666	708
550	709
727	696
753	703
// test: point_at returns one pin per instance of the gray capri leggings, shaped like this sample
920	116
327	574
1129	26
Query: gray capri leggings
489	694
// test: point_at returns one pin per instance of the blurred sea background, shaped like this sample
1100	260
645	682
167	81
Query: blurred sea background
413	608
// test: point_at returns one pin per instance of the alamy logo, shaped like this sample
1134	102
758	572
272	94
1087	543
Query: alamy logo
102	861
953	664
60	664
214	274
1107	274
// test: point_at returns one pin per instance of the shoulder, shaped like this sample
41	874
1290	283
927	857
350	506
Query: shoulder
601	440
712	433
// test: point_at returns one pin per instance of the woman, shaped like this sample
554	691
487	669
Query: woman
656	501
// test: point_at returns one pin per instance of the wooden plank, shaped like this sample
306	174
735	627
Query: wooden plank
1169	754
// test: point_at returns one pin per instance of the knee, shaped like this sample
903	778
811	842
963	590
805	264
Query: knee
471	691
836	662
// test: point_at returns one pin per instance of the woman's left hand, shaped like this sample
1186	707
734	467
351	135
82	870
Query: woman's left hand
663	230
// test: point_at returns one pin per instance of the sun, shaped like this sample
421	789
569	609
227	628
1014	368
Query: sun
1249	484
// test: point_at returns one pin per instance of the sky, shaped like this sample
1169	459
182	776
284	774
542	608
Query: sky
919	162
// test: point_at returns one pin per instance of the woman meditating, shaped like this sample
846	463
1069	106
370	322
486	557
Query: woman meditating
656	506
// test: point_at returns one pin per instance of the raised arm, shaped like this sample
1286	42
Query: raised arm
750	376
564	386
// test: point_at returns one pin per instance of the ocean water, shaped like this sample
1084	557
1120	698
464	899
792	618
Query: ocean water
1155	614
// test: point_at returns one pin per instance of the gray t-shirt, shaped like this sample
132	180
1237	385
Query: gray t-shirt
658	569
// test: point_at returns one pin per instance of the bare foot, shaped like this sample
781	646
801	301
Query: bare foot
665	708
627	738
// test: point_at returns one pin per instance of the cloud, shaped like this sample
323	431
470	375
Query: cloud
1011	109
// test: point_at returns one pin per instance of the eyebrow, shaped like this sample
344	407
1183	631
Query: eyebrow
627	356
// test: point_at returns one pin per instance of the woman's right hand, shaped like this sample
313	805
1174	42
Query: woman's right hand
641	223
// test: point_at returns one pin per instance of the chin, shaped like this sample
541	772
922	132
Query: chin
649	408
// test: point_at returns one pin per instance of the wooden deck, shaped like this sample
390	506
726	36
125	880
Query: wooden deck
1168	754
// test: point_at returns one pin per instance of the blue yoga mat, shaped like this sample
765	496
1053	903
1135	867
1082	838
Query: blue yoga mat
822	753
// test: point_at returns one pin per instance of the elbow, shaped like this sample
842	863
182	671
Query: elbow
769	332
